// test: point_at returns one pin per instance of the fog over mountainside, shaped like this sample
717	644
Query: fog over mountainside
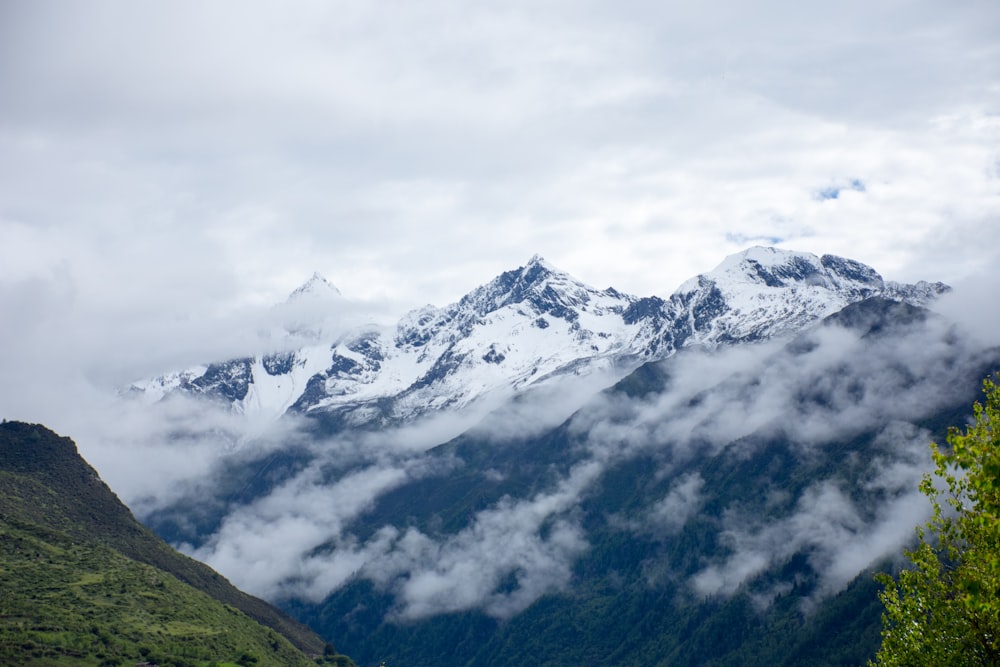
830	386
768	451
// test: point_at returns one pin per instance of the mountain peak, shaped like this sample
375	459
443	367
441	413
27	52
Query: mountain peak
761	292
526	283
776	268
525	324
538	260
317	287
536	270
766	257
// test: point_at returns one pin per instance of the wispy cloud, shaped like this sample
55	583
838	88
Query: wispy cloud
370	142
171	170
312	534
841	536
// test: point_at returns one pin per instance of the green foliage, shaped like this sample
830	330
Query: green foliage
946	609
45	481
83	583
70	602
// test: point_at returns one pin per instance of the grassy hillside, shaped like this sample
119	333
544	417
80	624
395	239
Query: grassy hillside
85	584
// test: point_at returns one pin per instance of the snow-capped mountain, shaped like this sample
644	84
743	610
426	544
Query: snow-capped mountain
765	292
316	288
528	326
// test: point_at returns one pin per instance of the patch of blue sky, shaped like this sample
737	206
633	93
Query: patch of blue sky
833	191
755	239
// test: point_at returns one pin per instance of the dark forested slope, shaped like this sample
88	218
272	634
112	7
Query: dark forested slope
739	507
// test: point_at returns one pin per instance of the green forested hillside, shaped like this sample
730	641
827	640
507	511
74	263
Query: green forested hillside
631	597
722	507
85	584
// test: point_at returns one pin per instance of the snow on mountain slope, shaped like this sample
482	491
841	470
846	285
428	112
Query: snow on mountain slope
519	328
524	328
269	382
316	288
764	292
279	380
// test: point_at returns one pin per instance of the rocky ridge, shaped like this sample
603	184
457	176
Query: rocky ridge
526	327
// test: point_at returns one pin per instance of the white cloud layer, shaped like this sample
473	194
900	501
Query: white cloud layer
209	154
168	170
313	533
168	167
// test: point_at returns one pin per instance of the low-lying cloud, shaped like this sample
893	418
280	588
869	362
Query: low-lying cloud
828	387
311	533
294	543
468	570
840	535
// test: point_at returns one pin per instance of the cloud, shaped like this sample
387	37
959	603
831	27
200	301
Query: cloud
680	504
509	556
369	142
832	383
155	455
267	542
841	534
313	534
829	387
969	305
172	170
542	407
294	543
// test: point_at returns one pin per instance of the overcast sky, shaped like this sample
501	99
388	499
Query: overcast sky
165	167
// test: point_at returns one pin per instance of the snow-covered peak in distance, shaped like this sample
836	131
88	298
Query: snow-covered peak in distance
537	289
538	284
313	310
526	327
762	292
763	268
317	287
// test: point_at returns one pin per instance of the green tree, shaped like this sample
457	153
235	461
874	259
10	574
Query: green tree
945	610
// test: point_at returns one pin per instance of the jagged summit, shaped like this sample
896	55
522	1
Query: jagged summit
538	283
317	287
528	325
